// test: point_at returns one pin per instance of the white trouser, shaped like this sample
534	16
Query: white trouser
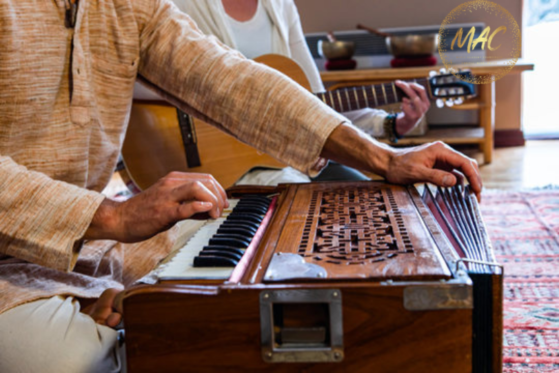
52	335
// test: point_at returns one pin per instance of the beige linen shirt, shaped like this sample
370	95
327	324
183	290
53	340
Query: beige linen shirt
65	97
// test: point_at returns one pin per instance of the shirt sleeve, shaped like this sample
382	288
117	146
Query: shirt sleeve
42	220
371	121
248	100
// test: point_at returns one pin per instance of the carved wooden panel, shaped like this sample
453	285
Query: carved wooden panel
360	230
355	226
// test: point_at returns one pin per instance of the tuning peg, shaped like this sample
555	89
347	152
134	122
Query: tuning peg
458	101
432	73
440	103
449	102
442	71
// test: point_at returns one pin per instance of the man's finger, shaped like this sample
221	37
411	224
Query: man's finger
118	301
205	178
218	188
440	178
221	192
189	209
214	187
463	164
196	191
113	320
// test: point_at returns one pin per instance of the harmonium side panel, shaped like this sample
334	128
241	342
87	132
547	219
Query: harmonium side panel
360	231
212	329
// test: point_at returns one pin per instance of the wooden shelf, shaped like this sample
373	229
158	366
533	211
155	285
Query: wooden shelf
450	135
481	135
470	105
484	68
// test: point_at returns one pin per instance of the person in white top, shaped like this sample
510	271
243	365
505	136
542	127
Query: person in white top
258	27
243	33
224	19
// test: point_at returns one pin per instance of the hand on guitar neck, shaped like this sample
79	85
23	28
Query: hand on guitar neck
414	107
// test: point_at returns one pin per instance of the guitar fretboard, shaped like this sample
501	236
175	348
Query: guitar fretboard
355	98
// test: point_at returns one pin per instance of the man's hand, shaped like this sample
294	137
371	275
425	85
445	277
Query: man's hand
433	163
175	197
414	107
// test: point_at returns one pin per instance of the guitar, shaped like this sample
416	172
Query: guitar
155	143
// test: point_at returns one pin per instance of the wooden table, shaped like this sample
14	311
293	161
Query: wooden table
485	101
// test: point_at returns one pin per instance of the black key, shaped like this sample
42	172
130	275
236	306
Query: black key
228	242
252	204
255	200
214	261
243	231
264	200
256	197
245	218
251	210
249	214
239	223
224	248
220	253
235	236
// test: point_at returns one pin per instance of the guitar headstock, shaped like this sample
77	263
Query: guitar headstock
451	88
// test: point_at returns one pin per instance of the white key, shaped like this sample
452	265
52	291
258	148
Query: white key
181	266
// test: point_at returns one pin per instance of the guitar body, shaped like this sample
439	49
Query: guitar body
153	145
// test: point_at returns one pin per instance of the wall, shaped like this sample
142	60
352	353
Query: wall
323	15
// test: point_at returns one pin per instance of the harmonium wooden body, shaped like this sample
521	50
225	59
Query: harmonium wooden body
336	277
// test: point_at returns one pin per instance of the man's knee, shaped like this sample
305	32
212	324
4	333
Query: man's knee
51	335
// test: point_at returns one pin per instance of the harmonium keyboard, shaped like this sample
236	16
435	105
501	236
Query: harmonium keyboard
336	277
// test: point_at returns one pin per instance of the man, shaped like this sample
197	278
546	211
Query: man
65	92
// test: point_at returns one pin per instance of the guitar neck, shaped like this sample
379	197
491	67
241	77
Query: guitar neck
355	98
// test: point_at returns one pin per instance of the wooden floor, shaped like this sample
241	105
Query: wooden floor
534	165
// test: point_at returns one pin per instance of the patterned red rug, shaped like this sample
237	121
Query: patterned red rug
524	229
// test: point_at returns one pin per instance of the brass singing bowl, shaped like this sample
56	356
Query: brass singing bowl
336	50
412	45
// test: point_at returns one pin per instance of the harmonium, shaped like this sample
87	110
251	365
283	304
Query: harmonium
326	277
